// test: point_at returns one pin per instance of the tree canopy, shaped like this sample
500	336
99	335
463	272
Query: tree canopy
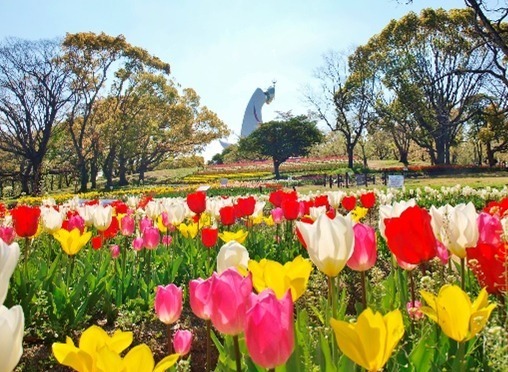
282	139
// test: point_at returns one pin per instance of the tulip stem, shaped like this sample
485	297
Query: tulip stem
237	354
208	350
459	364
364	290
463	273
170	345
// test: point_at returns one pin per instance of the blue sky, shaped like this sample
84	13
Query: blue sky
224	49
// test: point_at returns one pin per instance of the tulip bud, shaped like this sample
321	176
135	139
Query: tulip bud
182	341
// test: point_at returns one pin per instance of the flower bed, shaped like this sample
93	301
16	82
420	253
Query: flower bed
417	277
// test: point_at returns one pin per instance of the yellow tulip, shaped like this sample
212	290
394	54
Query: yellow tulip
163	229
188	231
452	310
294	275
269	220
98	351
72	241
94	338
358	213
239	236
370	341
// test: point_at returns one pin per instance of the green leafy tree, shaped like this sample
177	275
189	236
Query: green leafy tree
92	59
417	59
282	139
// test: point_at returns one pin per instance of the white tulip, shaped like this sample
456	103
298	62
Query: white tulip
456	227
330	243
12	324
51	219
315	212
9	256
102	217
232	254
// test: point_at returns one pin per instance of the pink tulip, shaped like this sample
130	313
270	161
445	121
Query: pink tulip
277	215
76	222
7	234
364	253
269	329
230	297
115	250
145	223
127	225
413	310
200	297
166	240
182	341
168	303
151	237
490	229
137	244
442	253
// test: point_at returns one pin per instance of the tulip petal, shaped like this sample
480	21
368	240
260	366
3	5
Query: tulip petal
12	323
371	331
69	355
139	359
166	363
394	332
108	360
120	341
479	319
348	341
454	312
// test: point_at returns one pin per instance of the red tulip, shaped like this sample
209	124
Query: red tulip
368	199
97	242
489	263
25	220
277	197
246	205
119	206
410	236
291	209
113	229
168	303
197	202
321	200
209	236
349	202
200	297
365	252
227	215
269	329
230	297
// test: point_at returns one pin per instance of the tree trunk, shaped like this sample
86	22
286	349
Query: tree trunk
350	156
122	171
94	170
403	157
83	176
276	165
490	155
36	178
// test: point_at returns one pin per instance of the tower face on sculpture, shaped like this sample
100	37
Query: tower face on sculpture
252	117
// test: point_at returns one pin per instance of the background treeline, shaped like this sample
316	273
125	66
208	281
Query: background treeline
93	103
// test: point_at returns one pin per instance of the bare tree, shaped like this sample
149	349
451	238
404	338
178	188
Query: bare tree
33	97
